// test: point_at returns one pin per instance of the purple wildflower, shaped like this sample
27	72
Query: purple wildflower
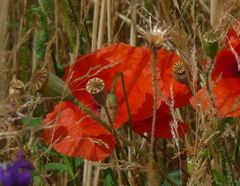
19	173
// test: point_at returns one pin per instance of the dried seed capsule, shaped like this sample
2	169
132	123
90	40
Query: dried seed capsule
179	72
48	84
95	87
16	87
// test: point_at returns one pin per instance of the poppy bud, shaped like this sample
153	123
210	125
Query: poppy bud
110	107
210	44
16	87
95	87
48	84
179	72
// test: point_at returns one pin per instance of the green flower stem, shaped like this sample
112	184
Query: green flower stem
68	24
92	115
236	149
76	21
76	179
72	170
120	74
226	154
164	159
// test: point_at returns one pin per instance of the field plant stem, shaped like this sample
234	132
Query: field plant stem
155	100
120	74
109	21
97	174
133	37
88	171
95	25
92	115
213	12
76	179
236	149
68	24
231	167
76	21
164	159
89	174
102	24
56	28
85	170
133	31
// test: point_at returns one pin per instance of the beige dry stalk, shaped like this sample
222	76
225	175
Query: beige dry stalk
3	39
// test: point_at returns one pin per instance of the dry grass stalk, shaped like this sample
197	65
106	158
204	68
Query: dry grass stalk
4	4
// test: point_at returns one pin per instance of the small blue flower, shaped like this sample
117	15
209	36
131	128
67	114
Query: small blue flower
19	173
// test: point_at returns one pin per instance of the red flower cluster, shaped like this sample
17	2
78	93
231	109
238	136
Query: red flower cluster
75	134
226	78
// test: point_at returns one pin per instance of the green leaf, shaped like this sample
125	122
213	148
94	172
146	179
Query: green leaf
57	166
79	162
29	121
109	178
37	181
218	178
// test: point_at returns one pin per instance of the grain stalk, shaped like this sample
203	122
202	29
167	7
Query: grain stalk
213	12
102	24
109	21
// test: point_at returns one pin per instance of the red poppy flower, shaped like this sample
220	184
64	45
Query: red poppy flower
227	76
73	133
135	64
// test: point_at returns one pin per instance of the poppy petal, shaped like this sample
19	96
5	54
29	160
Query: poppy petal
165	62
163	125
226	98
76	134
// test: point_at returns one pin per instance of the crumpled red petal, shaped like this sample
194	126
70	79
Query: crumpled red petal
134	62
226	98
163	125
73	133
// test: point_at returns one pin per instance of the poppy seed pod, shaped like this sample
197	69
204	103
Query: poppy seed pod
16	87
179	72
48	84
95	87
210	44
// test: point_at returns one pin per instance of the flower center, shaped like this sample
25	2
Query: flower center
38	80
16	86
179	68
179	72
95	87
